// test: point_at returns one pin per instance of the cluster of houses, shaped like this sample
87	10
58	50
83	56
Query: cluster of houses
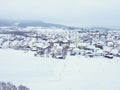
61	43
9	86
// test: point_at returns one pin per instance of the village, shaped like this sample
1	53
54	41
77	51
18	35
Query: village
61	43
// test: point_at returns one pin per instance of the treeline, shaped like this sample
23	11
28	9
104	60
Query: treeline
10	86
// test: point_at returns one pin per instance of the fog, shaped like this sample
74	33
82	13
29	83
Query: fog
68	12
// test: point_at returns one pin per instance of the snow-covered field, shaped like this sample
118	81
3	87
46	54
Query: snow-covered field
73	73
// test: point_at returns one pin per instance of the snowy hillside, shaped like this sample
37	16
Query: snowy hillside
59	59
73	73
27	23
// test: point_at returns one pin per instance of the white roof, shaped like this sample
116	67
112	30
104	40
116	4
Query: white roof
82	44
59	47
39	44
115	51
107	48
76	49
91	47
72	45
99	51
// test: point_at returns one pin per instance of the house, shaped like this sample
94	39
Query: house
75	51
115	51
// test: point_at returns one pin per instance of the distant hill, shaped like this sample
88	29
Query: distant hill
33	23
26	23
6	23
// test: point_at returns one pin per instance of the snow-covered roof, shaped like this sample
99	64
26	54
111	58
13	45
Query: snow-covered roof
73	45
82	44
91	47
39	44
106	48
115	51
76	49
59	47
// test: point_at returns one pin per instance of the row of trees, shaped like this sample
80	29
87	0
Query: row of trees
10	86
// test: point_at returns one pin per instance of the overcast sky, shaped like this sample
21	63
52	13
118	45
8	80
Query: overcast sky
69	12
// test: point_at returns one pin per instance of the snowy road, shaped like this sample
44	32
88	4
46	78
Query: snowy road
74	73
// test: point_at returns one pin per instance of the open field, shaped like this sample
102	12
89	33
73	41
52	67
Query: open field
73	73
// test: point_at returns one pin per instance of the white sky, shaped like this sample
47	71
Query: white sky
69	12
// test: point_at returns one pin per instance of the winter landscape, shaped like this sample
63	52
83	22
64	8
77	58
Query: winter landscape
59	45
60	58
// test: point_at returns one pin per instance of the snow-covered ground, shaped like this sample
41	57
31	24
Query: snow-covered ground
73	73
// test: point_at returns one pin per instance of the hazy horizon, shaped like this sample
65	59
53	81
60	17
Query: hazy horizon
67	12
